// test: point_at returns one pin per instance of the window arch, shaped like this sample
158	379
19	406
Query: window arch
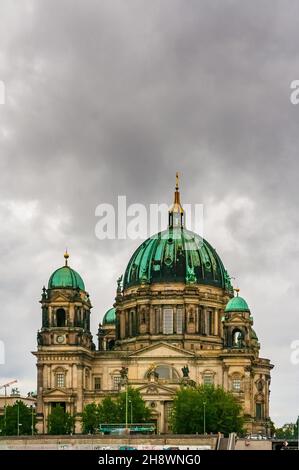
164	372
237	338
259	407
60	317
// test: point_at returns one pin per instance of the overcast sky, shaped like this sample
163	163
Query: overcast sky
111	97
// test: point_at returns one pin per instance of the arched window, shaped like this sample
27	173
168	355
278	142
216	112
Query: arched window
259	411
110	344
259	406
60	317
237	339
165	372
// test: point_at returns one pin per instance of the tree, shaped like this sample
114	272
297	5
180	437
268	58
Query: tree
91	418
60	422
113	411
18	415
140	412
206	406
287	431
108	411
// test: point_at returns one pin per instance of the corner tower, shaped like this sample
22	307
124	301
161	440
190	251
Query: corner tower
65	346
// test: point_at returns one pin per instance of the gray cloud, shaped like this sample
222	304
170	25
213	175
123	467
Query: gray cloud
112	97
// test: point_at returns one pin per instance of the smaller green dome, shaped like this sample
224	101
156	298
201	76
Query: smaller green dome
66	277
237	304
253	335
109	317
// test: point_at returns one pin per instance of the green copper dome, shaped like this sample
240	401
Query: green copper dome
237	304
109	317
66	277
176	255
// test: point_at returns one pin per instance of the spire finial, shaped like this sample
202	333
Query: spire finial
237	290
176	213
177	181
66	257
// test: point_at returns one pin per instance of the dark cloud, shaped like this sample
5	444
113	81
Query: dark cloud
112	97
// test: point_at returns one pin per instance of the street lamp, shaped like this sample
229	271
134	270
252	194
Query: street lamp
32	419
127	407
131	404
18	420
204	417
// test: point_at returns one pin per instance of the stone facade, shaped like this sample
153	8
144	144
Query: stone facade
165	333
73	372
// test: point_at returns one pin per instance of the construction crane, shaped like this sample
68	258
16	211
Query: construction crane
5	386
8	385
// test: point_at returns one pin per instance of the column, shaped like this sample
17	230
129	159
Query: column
225	377
39	404
205	321
216	322
79	403
162	417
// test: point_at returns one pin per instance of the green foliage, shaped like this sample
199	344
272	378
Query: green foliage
140	412
113	411
60	422
90	418
287	431
222	411
108	411
17	413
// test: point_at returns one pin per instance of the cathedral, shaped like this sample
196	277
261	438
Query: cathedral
175	321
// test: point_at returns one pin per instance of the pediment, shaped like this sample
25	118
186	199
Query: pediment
162	350
59	297
56	392
237	318
153	388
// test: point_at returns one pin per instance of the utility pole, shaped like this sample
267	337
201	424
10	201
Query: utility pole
204	417
32	420
127	406
131	404
18	423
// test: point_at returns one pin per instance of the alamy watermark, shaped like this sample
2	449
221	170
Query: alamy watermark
2	92
294	96
295	353
137	221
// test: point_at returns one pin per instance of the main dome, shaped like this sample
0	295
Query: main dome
176	255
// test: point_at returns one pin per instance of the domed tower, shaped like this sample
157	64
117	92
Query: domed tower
65	346
175	288
106	333
237	326
66	310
